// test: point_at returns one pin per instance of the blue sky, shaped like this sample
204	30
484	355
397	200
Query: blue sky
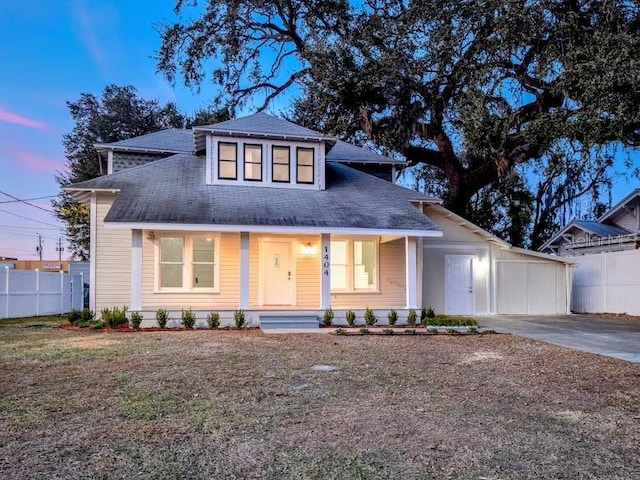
52	51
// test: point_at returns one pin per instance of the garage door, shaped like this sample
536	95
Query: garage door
526	288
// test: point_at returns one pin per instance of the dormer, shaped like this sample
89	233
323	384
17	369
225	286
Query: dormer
264	151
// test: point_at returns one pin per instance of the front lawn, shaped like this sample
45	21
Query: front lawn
224	404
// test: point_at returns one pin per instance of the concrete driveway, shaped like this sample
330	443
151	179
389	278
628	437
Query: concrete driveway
612	337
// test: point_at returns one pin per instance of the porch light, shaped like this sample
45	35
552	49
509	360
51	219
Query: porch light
307	249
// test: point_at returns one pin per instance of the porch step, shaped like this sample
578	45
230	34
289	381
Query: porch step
269	322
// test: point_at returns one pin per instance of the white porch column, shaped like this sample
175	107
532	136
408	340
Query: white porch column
244	270
136	270
325	271
420	270
411	268
93	225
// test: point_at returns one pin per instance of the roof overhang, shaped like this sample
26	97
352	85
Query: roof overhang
179	227
83	195
621	205
103	147
265	136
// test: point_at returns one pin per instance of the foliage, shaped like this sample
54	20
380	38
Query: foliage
453	321
473	329
392	317
327	317
97	325
426	314
364	331
213	319
411	318
239	319
432	330
351	318
162	317
135	319
410	331
370	317
74	315
87	315
188	319
340	331
388	331
114	317
468	92
118	114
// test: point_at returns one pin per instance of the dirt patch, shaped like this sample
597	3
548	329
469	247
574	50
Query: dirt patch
216	404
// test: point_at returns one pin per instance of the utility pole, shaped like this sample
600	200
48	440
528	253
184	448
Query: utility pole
39	247
59	249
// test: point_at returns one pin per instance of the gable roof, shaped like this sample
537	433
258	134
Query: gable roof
346	152
264	126
172	191
171	140
632	199
592	227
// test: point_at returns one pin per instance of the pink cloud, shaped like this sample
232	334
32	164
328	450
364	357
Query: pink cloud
9	117
36	162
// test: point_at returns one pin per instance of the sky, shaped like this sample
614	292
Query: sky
51	52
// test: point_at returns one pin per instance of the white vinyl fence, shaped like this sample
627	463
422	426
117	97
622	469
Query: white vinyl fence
607	283
25	293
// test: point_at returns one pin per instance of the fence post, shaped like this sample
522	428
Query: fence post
37	292
6	291
61	292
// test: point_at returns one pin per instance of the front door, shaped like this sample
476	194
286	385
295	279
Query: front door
459	295
277	275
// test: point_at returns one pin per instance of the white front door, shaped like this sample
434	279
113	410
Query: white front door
459	294
277	275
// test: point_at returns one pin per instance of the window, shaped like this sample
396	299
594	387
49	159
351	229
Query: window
227	161
353	265
253	162
280	164
304	165
188	263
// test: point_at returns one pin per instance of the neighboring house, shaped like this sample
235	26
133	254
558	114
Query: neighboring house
607	258
264	215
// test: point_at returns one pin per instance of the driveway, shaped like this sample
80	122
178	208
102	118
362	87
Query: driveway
617	338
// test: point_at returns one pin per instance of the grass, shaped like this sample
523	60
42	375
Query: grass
226	405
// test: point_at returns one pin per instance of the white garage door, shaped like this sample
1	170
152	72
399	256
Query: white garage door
526	288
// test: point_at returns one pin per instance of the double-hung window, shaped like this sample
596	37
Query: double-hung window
281	172
304	165
354	265
253	162
227	161
188	263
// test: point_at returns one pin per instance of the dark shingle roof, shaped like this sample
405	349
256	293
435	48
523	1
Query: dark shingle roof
173	191
600	229
346	152
262	124
172	140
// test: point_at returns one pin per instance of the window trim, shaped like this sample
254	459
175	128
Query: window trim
313	165
235	146
351	265
244	161
273	163
187	263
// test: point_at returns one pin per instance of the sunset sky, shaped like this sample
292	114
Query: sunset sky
52	51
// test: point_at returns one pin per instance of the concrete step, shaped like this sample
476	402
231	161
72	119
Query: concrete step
289	321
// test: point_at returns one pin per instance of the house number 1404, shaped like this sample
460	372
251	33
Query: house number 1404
325	262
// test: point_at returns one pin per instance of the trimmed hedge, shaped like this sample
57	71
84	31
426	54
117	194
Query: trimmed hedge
452	321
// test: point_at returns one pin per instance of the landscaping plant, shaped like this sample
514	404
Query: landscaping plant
114	317
135	320
162	317
351	318
213	319
74	315
327	318
238	318
188	319
392	317
370	317
364	331
411	318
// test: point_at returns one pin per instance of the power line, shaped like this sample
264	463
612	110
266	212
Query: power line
26	203
27	199
30	228
30	219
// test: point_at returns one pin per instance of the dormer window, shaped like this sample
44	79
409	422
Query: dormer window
304	165
253	162
281	164
228	161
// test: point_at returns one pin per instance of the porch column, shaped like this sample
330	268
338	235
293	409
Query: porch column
325	269
136	270
411	268
420	270
244	270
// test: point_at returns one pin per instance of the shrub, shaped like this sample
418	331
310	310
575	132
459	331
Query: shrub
426	315
213	319
387	331
238	318
351	318
188	319
87	315
451	330
453	321
432	330
392	316
411	318
410	331
473	329
97	325
364	331
74	315
114	317
327	318
341	331
135	320
370	317
162	317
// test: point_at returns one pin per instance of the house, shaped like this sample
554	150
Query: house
261	214
607	258
617	229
